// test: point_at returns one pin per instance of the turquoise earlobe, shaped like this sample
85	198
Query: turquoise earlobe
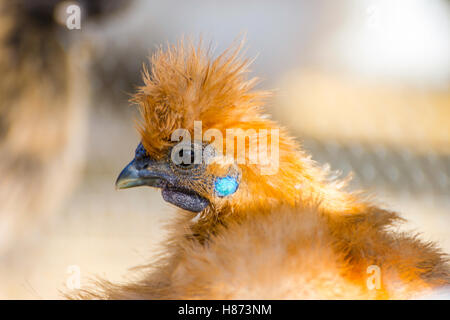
225	186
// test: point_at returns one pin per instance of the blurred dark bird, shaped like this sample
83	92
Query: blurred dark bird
245	232
43	109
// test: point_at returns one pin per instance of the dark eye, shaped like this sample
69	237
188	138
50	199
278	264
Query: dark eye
187	159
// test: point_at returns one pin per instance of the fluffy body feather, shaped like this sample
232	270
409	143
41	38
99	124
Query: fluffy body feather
293	234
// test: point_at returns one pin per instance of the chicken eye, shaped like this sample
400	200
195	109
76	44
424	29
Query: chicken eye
188	158
225	186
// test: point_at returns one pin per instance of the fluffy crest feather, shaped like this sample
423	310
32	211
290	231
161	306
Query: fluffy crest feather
185	83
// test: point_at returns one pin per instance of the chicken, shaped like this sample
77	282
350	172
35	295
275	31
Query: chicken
245	232
43	111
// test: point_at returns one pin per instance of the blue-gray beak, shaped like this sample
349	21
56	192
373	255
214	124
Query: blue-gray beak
133	176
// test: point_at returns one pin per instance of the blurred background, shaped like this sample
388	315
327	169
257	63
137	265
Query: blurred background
363	85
